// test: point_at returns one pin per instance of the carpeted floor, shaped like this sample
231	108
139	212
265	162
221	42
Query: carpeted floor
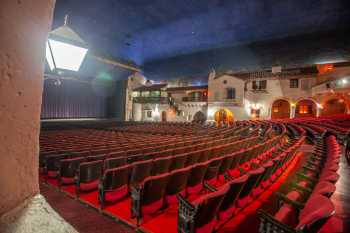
82	218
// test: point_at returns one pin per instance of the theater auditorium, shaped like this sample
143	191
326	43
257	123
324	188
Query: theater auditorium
225	116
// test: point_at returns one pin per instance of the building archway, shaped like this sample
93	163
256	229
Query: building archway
305	108
199	117
280	109
223	116
164	116
334	106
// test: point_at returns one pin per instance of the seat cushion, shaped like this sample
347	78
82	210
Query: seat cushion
89	186
115	195
316	208
152	208
67	180
324	188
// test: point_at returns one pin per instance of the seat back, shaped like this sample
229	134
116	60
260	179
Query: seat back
213	170
153	192
197	174
193	158
251	182
207	209
69	167
232	194
161	165
117	154
90	171
116	177
140	171
96	157
226	164
178	162
177	182
52	161
114	162
135	158
315	213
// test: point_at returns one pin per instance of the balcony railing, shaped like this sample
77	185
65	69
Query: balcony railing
155	100
195	99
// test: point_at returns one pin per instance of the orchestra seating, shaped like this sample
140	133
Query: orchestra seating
208	173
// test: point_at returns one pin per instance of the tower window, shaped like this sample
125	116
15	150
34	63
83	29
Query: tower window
294	83
230	93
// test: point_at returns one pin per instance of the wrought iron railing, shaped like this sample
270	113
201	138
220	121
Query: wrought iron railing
157	100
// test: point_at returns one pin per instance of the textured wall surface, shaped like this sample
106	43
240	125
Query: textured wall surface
34	216
23	27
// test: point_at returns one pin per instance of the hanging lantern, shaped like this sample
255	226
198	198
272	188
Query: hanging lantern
65	50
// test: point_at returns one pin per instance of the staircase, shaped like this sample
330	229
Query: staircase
174	106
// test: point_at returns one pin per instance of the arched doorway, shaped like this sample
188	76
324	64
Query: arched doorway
223	116
305	108
199	117
334	107
164	116
280	109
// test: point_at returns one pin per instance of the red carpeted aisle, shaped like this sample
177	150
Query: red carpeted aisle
82	218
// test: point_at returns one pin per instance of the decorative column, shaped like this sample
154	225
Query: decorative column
24	26
292	110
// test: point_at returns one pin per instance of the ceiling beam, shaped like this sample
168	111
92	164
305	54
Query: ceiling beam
115	63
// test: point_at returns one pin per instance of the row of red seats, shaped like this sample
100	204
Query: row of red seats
51	163
79	140
310	194
214	209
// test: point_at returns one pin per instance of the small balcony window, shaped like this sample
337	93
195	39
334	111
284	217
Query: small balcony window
259	85
294	83
231	93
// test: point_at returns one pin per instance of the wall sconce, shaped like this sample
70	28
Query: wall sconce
320	106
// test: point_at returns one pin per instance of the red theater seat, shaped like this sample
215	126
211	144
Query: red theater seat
114	185
200	216
196	177
177	184
227	207
148	197
68	170
114	162
161	165
316	211
140	171
89	174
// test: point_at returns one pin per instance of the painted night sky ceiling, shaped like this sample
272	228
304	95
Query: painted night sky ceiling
188	38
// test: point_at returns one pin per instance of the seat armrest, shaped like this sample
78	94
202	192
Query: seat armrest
285	199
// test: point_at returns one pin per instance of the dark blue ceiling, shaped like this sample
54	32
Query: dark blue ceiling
188	37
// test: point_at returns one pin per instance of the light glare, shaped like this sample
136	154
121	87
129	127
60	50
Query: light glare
66	56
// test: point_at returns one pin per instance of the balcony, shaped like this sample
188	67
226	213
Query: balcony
195	99
151	100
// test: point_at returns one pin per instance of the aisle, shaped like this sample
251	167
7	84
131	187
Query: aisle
82	218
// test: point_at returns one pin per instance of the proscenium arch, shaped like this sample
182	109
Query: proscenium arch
280	109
